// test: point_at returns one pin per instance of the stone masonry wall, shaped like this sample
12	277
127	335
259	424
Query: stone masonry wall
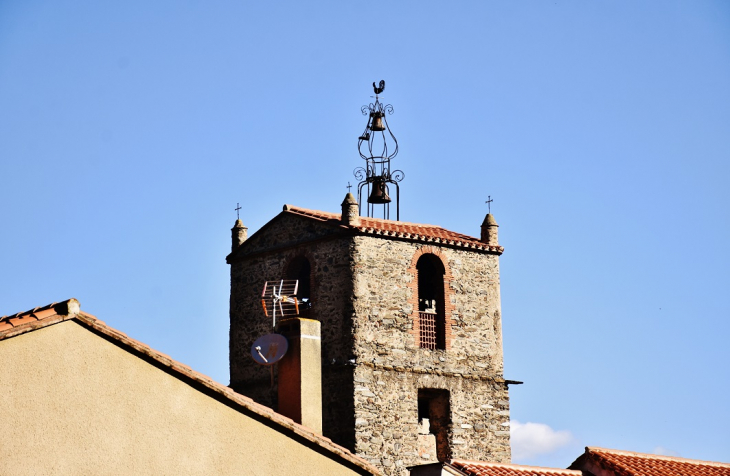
332	304
385	303
386	420
365	293
392	367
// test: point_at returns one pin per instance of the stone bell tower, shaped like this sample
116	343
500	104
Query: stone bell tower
412	365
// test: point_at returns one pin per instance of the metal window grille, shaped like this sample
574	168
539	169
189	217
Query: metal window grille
428	330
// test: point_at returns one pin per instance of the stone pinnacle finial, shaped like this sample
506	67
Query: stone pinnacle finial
350	211
239	233
490	230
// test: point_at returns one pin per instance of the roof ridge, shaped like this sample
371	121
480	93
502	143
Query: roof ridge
516	466
414	231
294	208
30	311
597	449
67	308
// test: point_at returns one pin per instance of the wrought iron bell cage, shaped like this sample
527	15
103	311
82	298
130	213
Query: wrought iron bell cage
378	146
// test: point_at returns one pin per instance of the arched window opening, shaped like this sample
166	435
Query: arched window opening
300	269
432	330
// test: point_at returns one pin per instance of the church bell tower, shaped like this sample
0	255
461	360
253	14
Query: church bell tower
410	314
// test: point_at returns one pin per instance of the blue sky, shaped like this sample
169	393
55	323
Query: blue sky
130	130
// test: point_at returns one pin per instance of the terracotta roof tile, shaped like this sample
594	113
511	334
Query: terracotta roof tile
34	315
482	468
41	314
23	322
399	229
628	463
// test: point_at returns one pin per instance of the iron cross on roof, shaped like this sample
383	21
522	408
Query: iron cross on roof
489	203
238	207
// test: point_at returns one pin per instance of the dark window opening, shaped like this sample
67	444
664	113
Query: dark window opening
422	408
300	269
434	411
431	313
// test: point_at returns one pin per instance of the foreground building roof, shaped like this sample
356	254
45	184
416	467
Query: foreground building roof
606	462
56	347
481	468
459	467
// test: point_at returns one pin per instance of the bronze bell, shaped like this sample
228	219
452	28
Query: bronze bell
380	192
377	123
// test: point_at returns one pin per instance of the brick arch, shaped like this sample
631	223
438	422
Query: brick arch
448	293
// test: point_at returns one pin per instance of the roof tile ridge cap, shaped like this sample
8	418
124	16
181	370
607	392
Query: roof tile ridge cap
86	315
517	466
403	223
14	316
30	326
596	449
31	311
453	238
295	209
64	310
91	320
121	336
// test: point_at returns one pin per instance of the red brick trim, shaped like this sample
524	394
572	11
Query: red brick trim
448	293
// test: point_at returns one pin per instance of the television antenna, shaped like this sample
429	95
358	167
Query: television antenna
280	296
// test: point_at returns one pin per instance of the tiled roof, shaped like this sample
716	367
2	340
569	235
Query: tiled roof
400	229
482	468
23	322
628	463
34	315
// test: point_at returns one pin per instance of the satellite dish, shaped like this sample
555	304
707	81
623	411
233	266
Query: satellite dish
279	297
269	349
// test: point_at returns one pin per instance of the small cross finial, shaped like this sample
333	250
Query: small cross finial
238	207
349	187
489	203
